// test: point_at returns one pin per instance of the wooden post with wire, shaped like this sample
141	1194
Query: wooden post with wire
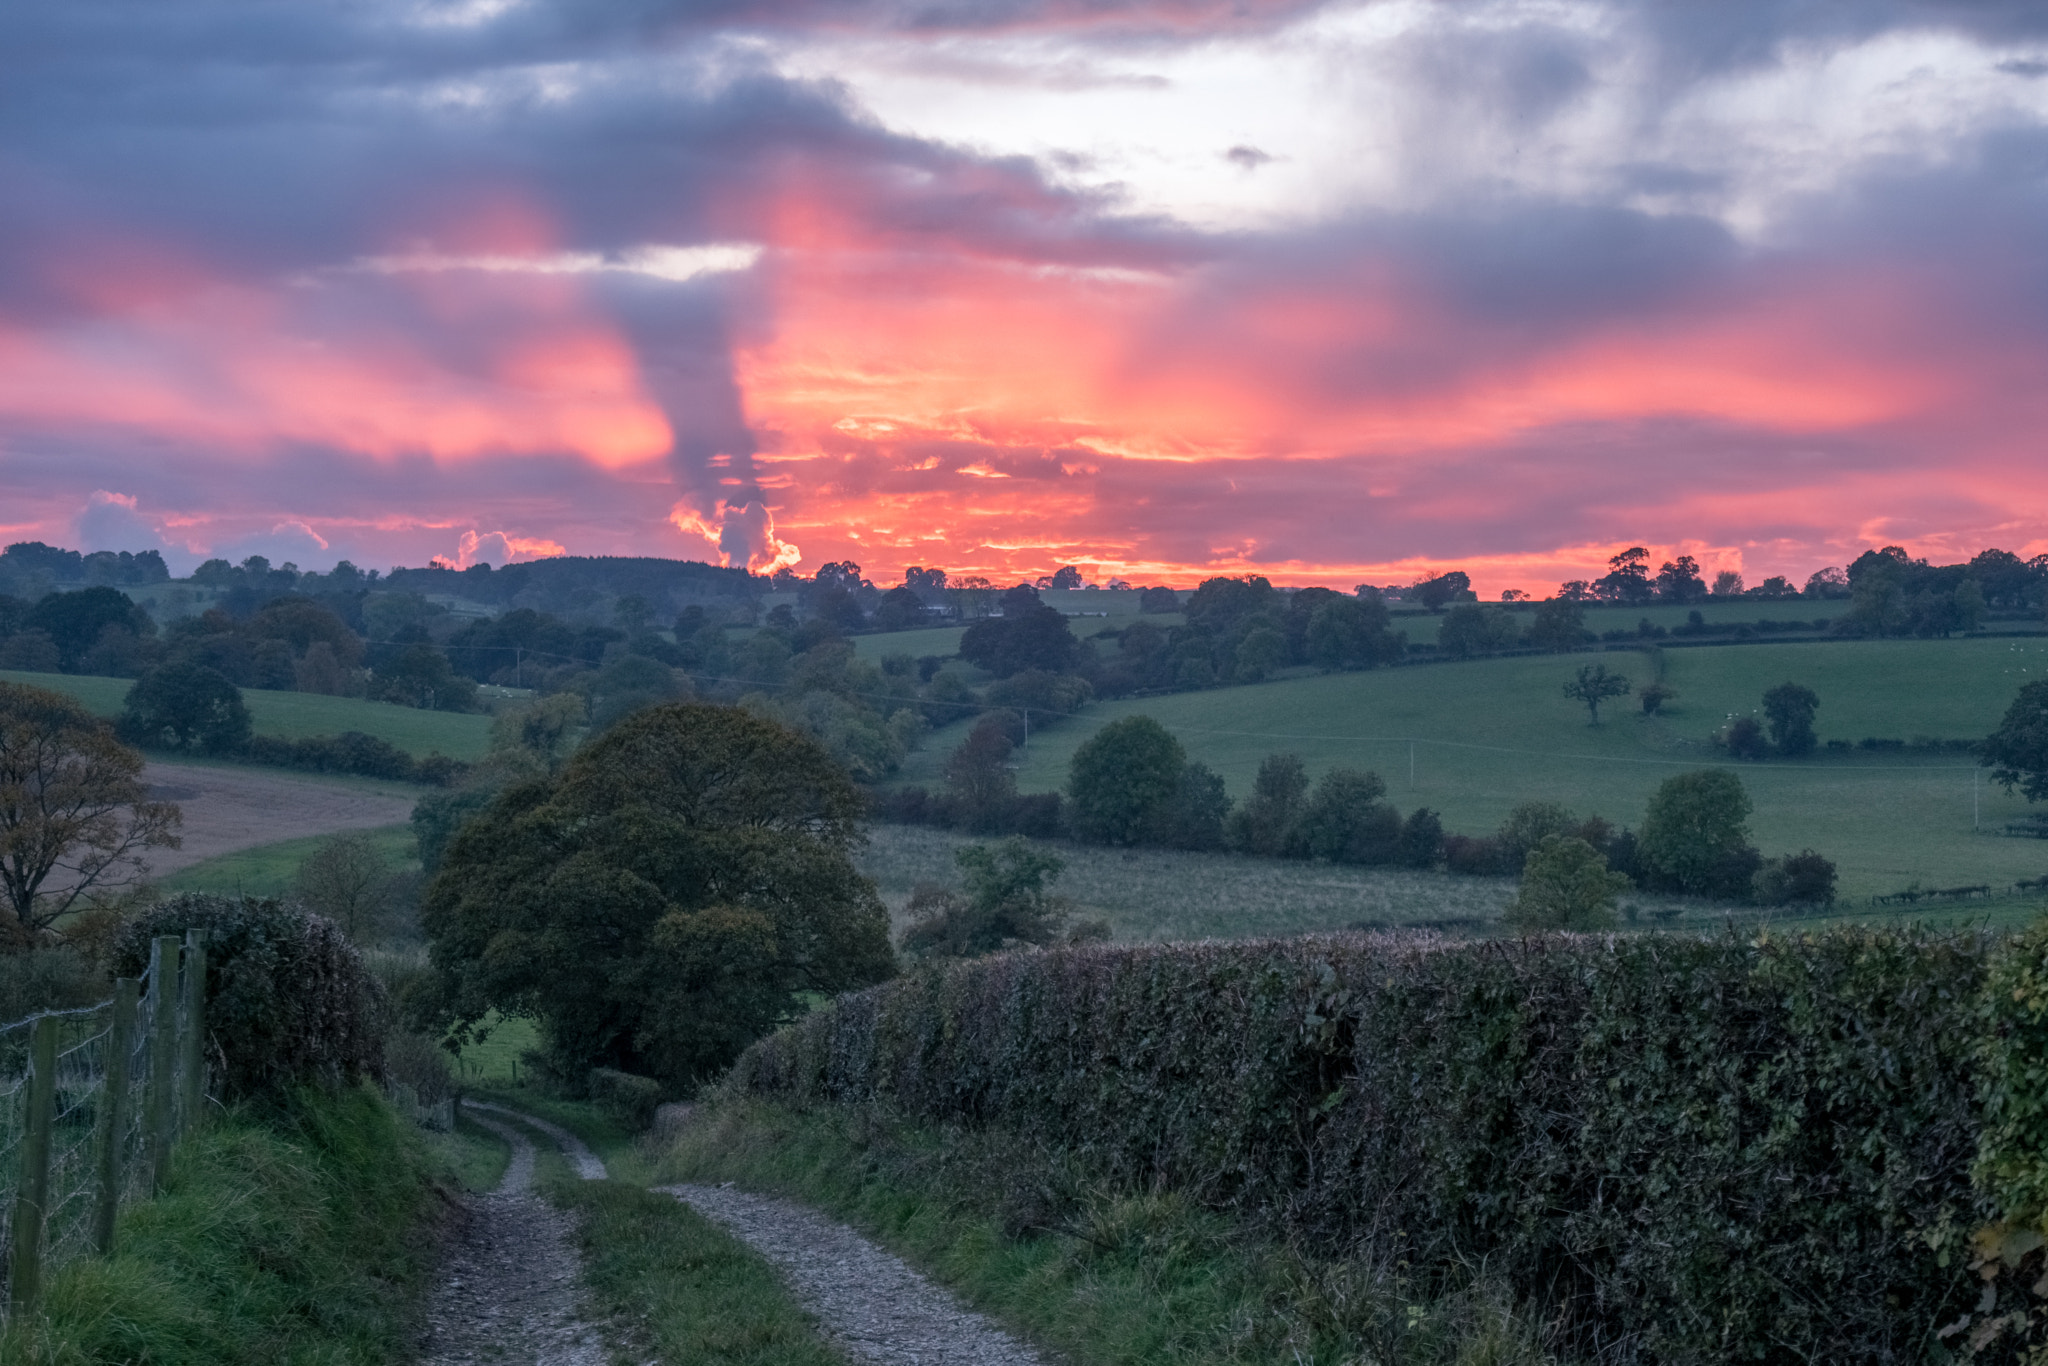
192	1033
113	1117
32	1190
163	1057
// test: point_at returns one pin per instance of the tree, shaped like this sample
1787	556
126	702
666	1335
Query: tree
75	620
73	808
1194	818
1067	577
1728	584
1627	579
1801	879
546	729
1351	633
1028	635
685	883
185	706
1347	820
1566	885
978	776
1006	902
1558	626
1262	651
1744	739
1595	685
1654	696
1528	825
1470	629
348	880
419	676
1264	822
2017	752
1158	599
1121	778
1679	581
1439	589
899	610
1790	710
1422	839
1696	826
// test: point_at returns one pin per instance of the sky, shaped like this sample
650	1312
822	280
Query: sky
1331	292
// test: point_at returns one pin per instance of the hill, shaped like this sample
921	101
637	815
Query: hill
1485	736
296	715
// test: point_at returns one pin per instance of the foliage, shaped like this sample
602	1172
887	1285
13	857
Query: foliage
1695	824
1470	630
349	881
1801	879
1744	739
627	1100
681	886
353	752
1121	778
419	675
59	978
1029	635
1193	817
1624	1130
1559	625
1566	885
1097	1273
1006	902
2017	752
1352	633
1347	820
185	706
1791	709
1653	697
300	1241
1265	821
1594	685
289	1002
74	813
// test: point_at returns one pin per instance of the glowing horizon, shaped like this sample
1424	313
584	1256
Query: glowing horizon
1334	293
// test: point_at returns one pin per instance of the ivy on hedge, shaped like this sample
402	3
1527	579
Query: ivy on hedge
1686	1150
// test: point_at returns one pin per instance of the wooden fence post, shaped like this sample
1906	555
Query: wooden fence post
32	1195
114	1112
192	1033
163	1041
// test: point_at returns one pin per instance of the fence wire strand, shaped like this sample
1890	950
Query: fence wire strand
80	1105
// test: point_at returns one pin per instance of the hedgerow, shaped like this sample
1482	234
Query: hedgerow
1680	1149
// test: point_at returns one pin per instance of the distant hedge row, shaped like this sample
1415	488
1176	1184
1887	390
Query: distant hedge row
352	752
1685	1150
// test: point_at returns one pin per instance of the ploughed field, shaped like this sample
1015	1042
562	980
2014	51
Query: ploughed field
1486	735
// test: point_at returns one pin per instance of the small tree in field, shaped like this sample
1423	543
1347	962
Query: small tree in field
1595	685
1566	885
185	706
1790	709
2017	752
74	813
1122	778
1697	824
348	880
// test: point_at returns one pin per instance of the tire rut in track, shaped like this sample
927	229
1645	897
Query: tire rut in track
512	1280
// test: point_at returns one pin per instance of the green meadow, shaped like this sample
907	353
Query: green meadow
297	715
272	869
1475	739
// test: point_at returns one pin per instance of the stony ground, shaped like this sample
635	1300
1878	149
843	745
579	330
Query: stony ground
510	1291
867	1301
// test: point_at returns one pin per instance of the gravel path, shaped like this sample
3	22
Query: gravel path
510	1284
872	1305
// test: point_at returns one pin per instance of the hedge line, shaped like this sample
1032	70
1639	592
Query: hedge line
1685	1150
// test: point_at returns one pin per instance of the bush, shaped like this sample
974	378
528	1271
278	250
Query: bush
288	999
58	978
353	752
1566	885
1679	1149
628	1100
1121	778
1801	879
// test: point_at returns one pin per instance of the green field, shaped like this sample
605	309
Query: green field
1487	735
297	715
271	869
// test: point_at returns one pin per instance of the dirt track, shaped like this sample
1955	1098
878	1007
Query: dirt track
227	809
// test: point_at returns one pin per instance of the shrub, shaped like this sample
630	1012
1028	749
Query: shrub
1121	777
1801	879
1680	1149
1695	823
630	1101
288	1000
1744	739
185	706
1566	885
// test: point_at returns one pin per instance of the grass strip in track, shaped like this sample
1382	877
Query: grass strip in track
680	1287
1100	1276
304	1239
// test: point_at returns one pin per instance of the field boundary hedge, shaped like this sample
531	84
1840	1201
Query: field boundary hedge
1682	1149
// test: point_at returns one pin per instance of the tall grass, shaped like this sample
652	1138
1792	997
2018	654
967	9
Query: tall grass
1099	1274
305	1239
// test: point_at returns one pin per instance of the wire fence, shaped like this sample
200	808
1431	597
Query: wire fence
92	1104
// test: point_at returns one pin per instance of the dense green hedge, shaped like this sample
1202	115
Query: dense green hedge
1685	1150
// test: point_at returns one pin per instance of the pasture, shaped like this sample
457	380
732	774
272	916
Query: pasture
272	869
1475	739
298	715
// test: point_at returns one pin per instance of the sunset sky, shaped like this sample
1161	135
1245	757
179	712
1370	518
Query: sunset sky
1330	292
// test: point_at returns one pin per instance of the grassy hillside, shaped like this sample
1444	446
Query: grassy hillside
271	869
1487	735
295	715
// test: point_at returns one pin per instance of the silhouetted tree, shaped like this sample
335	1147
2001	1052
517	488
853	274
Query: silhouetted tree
185	706
1595	685
1121	778
1790	710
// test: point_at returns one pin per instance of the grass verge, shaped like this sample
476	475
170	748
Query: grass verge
1096	1274
474	1156
306	1239
680	1288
